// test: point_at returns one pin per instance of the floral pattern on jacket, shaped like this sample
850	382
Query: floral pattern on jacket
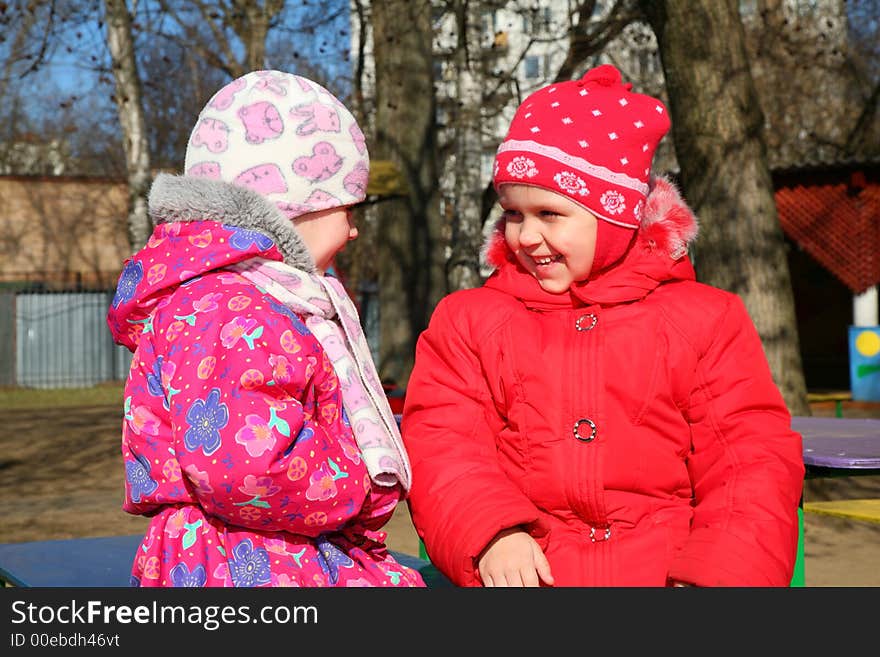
235	439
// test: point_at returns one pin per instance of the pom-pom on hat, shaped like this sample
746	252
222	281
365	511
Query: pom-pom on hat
286	138
591	140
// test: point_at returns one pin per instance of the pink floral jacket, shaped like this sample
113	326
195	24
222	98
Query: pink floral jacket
234	439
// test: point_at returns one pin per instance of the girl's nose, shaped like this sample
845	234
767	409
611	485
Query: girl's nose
528	234
352	229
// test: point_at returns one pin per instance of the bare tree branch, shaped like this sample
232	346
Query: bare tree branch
585	40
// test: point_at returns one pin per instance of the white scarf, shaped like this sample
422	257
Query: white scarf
332	318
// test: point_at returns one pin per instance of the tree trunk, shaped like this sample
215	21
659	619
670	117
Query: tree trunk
255	40
410	265
717	128
463	267
131	117
253	29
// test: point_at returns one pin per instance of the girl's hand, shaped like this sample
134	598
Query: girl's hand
513	558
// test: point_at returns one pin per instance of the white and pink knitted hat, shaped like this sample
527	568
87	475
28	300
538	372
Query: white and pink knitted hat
284	137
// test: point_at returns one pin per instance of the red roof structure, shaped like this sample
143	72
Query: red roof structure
833	213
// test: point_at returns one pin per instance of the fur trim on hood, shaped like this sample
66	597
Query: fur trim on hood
667	227
185	198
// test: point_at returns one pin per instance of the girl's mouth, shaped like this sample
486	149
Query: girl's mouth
546	260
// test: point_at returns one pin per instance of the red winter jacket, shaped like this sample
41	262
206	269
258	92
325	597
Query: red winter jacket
631	426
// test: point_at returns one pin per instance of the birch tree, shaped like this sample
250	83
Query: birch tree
463	266
120	43
485	71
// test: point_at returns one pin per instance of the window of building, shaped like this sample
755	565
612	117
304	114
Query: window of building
488	23
532	64
536	20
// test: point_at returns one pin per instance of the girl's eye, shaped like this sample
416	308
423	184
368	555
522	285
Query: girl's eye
549	213
511	215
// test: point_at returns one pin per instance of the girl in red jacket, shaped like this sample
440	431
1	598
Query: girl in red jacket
592	415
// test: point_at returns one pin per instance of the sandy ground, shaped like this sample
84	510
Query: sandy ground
61	477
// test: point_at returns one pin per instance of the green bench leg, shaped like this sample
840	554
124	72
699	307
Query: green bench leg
797	578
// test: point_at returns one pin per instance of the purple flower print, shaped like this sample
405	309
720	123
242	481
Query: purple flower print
206	418
154	379
249	567
242	239
331	558
131	275
181	577
137	474
287	312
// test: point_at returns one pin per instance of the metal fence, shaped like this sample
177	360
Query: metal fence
58	340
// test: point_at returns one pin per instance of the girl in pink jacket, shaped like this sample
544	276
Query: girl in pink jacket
593	416
257	435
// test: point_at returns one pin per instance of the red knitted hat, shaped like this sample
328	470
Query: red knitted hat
591	140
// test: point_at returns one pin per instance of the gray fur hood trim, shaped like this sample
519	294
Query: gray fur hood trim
184	198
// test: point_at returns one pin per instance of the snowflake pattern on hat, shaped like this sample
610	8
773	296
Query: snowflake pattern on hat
286	138
522	167
613	202
571	183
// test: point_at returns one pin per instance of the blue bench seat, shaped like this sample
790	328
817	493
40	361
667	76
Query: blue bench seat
106	562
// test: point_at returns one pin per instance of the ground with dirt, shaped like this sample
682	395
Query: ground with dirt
61	476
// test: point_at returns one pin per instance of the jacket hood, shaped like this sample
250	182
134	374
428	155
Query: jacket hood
201	226
658	255
186	199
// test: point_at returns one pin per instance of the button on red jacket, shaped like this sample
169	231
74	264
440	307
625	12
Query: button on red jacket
631	426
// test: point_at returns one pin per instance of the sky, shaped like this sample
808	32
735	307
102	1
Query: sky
78	50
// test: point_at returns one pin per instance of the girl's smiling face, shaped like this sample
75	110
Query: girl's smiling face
553	237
